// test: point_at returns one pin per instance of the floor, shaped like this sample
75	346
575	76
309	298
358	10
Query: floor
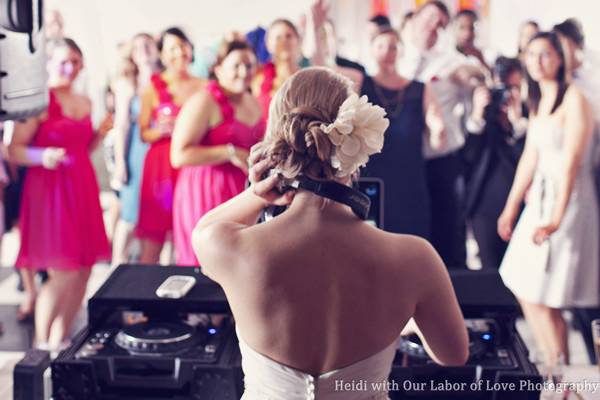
17	337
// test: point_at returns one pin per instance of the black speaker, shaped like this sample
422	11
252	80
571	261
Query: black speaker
23	77
28	376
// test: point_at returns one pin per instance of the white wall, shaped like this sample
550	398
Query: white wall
507	15
101	24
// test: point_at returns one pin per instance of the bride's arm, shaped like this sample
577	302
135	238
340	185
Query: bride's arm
217	230
438	319
242	210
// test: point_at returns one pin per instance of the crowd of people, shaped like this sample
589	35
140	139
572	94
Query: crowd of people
502	149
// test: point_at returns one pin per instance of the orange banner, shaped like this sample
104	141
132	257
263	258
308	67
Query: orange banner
480	6
379	7
469	5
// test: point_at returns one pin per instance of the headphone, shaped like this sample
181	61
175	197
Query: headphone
356	200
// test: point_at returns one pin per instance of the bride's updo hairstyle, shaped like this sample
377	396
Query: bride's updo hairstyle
295	139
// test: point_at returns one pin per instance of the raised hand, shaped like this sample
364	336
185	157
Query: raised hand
264	184
318	12
481	99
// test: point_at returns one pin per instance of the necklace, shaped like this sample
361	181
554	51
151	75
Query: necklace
392	104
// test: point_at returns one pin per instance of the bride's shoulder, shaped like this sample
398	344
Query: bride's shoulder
400	241
409	254
215	247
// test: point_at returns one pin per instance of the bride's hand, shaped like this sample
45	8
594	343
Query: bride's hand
263	184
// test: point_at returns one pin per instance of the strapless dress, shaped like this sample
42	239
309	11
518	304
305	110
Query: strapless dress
266	379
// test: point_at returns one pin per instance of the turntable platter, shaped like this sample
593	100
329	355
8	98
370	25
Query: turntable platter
481	339
411	345
156	338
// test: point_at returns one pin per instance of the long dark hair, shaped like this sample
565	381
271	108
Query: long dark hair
533	88
174	31
505	66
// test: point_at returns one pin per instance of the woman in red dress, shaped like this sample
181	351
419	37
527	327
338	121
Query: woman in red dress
161	103
214	133
61	224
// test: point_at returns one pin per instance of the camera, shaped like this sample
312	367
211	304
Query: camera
499	95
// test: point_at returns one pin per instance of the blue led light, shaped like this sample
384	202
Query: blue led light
486	336
212	331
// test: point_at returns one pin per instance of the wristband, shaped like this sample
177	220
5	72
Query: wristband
35	155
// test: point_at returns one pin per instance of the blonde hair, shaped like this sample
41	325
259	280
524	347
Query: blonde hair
294	139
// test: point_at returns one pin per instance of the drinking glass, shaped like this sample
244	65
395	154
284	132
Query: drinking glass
596	338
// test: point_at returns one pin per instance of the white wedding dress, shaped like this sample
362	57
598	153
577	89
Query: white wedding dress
266	379
563	271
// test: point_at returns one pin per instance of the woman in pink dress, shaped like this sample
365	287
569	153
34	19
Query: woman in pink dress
213	135
161	102
61	224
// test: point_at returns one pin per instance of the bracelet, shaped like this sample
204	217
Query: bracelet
230	150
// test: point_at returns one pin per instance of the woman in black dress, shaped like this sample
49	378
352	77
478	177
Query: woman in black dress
414	116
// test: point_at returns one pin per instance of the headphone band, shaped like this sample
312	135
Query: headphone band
357	201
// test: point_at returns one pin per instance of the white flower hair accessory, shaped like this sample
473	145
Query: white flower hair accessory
356	133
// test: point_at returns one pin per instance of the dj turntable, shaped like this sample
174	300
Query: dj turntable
201	343
139	346
492	361
163	338
485	347
497	353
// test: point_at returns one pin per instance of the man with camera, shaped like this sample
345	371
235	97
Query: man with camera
496	135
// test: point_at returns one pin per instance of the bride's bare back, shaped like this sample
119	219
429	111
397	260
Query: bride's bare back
317	289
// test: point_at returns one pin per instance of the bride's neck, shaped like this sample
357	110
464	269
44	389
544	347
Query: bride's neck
306	202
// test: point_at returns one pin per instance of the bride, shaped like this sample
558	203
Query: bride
319	296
